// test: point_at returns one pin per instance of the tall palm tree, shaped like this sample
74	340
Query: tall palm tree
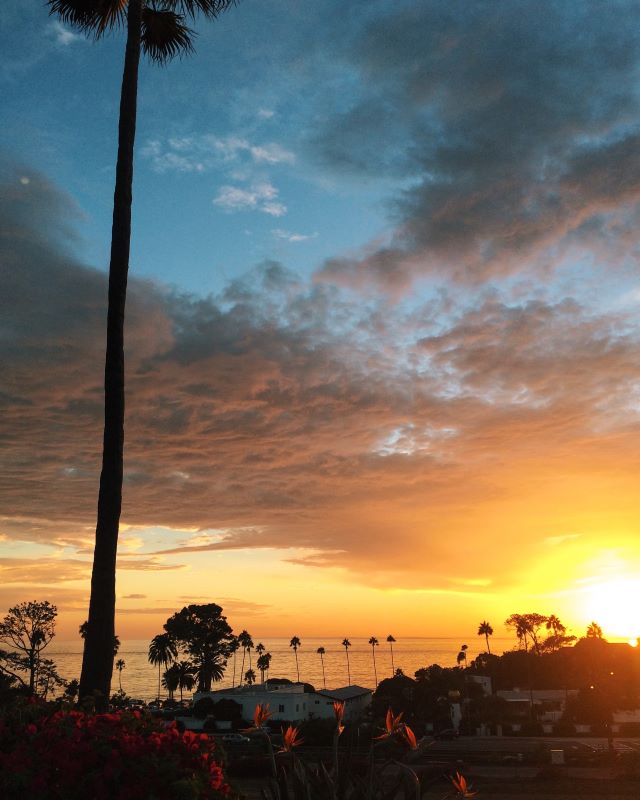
485	629
295	643
234	645
347	644
391	640
162	651
245	640
159	30
321	651
374	643
120	665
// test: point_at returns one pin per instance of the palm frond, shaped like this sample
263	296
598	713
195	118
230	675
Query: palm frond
190	8
164	35
94	16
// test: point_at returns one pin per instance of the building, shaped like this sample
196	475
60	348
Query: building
548	705
294	702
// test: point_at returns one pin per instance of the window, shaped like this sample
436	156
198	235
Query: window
317	702
281	709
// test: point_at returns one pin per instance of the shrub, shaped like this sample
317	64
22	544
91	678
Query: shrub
70	755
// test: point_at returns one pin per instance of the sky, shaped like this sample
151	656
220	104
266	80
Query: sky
382	329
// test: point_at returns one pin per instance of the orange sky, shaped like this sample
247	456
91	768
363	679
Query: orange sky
428	418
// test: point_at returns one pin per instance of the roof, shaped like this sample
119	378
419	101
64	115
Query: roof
345	693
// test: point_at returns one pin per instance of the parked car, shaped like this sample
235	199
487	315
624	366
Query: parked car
235	738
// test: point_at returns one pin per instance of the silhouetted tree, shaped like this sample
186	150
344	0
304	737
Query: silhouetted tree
391	640
203	634
485	629
374	643
250	677
321	651
295	643
162	651
28	629
158	29
594	631
246	642
263	663
120	665
347	644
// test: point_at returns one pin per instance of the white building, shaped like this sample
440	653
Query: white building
294	702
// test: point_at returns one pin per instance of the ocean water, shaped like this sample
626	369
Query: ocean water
140	679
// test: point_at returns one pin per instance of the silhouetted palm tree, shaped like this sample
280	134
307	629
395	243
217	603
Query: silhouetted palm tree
162	651
374	643
263	662
347	644
171	680
485	629
391	640
120	665
186	676
234	645
462	655
594	631
250	677
554	625
244	637
295	643
321	651
159	30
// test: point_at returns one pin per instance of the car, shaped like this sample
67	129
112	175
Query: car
235	738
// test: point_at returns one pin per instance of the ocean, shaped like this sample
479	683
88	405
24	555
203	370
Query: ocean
140	679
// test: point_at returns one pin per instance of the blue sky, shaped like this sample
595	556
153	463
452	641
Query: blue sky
382	309
234	121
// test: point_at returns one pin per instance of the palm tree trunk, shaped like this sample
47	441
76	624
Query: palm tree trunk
242	667
97	662
375	671
393	668
486	636
233	685
324	680
297	670
159	665
348	668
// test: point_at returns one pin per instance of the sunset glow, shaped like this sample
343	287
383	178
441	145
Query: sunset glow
382	326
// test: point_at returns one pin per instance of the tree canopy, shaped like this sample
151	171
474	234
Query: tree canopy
203	633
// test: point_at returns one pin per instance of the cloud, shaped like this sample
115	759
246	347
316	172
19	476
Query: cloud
134	596
373	437
513	135
63	36
204	152
288	236
259	197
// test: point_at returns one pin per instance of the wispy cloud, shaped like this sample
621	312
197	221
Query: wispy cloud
203	152
289	236
62	35
258	197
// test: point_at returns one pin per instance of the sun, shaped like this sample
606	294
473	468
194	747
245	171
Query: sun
614	604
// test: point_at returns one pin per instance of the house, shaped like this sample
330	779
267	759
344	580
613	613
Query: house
548	705
294	702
